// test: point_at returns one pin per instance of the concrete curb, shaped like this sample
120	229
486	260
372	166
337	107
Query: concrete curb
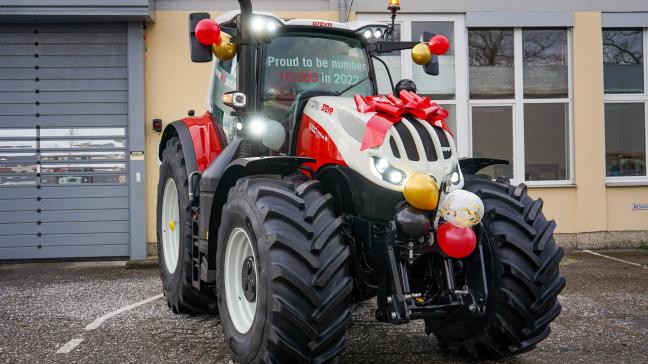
148	263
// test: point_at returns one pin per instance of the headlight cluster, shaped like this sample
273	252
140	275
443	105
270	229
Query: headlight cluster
388	173
372	33
264	25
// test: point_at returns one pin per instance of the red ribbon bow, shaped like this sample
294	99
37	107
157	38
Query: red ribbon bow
390	110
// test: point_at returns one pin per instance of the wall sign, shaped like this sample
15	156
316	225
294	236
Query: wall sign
639	206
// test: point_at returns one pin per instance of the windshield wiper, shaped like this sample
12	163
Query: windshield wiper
352	86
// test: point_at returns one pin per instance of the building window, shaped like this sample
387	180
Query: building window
520	99
492	130
626	104
623	61
491	64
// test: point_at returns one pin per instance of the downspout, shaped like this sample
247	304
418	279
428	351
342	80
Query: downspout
344	11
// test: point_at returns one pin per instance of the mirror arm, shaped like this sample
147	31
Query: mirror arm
388	46
391	81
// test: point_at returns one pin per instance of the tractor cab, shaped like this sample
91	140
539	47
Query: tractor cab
297	59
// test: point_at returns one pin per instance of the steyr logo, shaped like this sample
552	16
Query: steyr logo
327	109
322	24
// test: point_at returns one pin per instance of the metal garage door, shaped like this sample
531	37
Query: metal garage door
63	141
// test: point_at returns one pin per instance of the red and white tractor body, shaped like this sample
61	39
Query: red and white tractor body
332	130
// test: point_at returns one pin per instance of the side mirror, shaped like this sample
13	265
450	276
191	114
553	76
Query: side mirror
432	67
200	53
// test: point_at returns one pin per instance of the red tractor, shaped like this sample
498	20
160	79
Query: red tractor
302	190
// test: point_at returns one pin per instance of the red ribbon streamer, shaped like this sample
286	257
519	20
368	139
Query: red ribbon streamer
390	109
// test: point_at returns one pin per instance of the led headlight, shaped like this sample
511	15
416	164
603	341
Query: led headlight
258	24
387	172
454	178
256	127
263	25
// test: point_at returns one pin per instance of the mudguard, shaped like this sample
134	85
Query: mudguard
221	175
179	129
202	141
215	183
474	165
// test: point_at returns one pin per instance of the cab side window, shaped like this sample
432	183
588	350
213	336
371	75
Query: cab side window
223	80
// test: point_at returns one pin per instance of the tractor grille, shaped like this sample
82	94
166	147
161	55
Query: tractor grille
410	132
408	140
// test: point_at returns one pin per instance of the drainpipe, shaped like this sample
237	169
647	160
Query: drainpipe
344	11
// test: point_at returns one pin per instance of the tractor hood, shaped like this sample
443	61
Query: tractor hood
410	146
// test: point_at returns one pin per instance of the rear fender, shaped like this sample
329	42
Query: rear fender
201	141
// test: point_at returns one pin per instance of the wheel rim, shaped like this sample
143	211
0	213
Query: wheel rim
170	225
240	275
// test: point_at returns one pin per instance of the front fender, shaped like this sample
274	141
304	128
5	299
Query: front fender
222	175
474	165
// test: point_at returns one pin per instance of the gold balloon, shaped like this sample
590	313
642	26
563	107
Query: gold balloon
421	54
422	192
226	50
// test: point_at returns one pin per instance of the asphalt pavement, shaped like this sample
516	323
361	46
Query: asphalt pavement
102	312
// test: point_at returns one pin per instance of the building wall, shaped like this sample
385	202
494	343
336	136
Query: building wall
589	213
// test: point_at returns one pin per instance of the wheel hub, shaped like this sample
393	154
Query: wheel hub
170	233
249	279
240	280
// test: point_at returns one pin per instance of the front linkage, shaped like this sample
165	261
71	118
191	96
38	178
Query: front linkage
412	278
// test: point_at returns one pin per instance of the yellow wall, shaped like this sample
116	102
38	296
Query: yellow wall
175	85
589	134
620	215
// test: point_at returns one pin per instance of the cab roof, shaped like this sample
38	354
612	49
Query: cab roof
355	25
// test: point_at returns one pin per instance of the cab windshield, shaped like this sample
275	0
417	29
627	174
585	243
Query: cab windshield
296	64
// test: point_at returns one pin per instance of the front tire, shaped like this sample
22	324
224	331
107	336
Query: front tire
293	305
523	277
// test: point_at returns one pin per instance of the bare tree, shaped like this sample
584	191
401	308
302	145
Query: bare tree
545	46
491	47
622	47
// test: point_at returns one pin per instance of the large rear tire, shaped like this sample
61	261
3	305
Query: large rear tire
524	280
283	277
174	234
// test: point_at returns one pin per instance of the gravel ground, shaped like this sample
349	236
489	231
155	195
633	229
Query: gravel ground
43	306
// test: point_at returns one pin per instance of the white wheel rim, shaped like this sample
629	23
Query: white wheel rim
170	225
241	309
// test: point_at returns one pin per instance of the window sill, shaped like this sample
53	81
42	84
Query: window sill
627	183
551	185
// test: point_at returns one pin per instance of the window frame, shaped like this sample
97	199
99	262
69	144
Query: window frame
518	103
636	98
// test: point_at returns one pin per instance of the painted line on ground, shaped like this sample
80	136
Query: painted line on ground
69	346
99	321
615	259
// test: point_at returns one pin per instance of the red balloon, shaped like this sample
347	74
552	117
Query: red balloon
208	32
456	242
439	45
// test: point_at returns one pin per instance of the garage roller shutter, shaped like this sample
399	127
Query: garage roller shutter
63	141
